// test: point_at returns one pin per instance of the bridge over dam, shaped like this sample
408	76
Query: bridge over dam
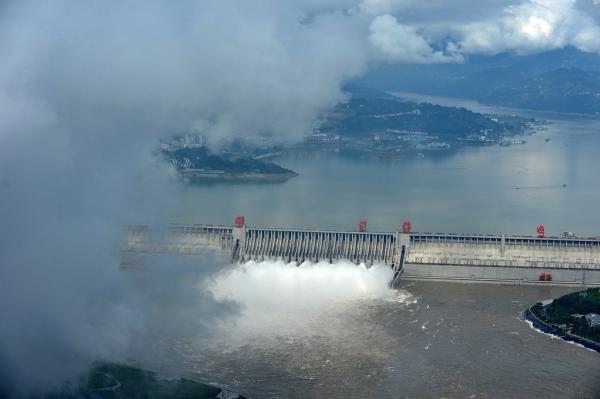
412	256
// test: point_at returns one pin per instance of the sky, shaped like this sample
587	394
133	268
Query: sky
87	88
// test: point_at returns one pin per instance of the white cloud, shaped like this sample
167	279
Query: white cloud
86	89
401	43
532	26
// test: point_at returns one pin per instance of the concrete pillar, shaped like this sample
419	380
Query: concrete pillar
402	240
397	249
239	235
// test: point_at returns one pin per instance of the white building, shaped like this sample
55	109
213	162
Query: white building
593	319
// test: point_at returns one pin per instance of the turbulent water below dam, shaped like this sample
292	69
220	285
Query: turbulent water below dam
338	331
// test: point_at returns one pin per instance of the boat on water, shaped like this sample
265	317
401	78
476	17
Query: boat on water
506	143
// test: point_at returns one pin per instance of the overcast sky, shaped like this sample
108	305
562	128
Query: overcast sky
199	65
87	88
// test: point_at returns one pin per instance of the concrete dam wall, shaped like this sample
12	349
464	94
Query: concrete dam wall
460	257
513	259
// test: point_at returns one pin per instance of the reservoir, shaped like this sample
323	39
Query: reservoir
336	330
549	180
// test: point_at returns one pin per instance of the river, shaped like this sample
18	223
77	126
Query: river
299	335
551	180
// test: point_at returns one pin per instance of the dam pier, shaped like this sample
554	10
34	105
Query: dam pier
502	258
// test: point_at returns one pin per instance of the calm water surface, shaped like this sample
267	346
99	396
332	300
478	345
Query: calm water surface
477	190
448	340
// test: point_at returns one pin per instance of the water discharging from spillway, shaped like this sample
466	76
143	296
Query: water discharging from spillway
291	323
338	331
278	299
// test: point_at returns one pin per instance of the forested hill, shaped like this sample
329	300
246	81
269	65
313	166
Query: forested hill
570	311
364	116
564	80
561	90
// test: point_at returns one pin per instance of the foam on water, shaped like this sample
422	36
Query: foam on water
275	283
554	336
277	298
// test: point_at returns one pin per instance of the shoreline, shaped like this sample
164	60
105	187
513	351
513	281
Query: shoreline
547	328
106	380
208	177
472	103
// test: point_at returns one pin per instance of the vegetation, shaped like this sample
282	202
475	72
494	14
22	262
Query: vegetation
568	312
364	116
372	124
201	159
564	80
108	381
562	90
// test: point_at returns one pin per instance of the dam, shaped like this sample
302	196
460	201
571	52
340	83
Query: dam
501	258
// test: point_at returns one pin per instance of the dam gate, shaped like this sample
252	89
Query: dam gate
436	256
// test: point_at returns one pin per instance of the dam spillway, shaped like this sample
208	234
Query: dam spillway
436	256
254	243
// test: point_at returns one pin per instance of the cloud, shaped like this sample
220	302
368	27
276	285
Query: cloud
442	31
532	26
242	69
86	89
400	43
439	31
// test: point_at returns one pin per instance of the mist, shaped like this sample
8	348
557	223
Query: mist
86	90
284	299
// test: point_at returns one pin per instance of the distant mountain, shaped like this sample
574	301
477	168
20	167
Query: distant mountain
562	90
358	91
536	81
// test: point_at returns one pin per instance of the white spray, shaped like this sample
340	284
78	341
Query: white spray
279	299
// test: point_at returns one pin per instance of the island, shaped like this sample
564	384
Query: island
388	128
574	317
200	165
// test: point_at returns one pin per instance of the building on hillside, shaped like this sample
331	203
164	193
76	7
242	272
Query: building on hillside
593	319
